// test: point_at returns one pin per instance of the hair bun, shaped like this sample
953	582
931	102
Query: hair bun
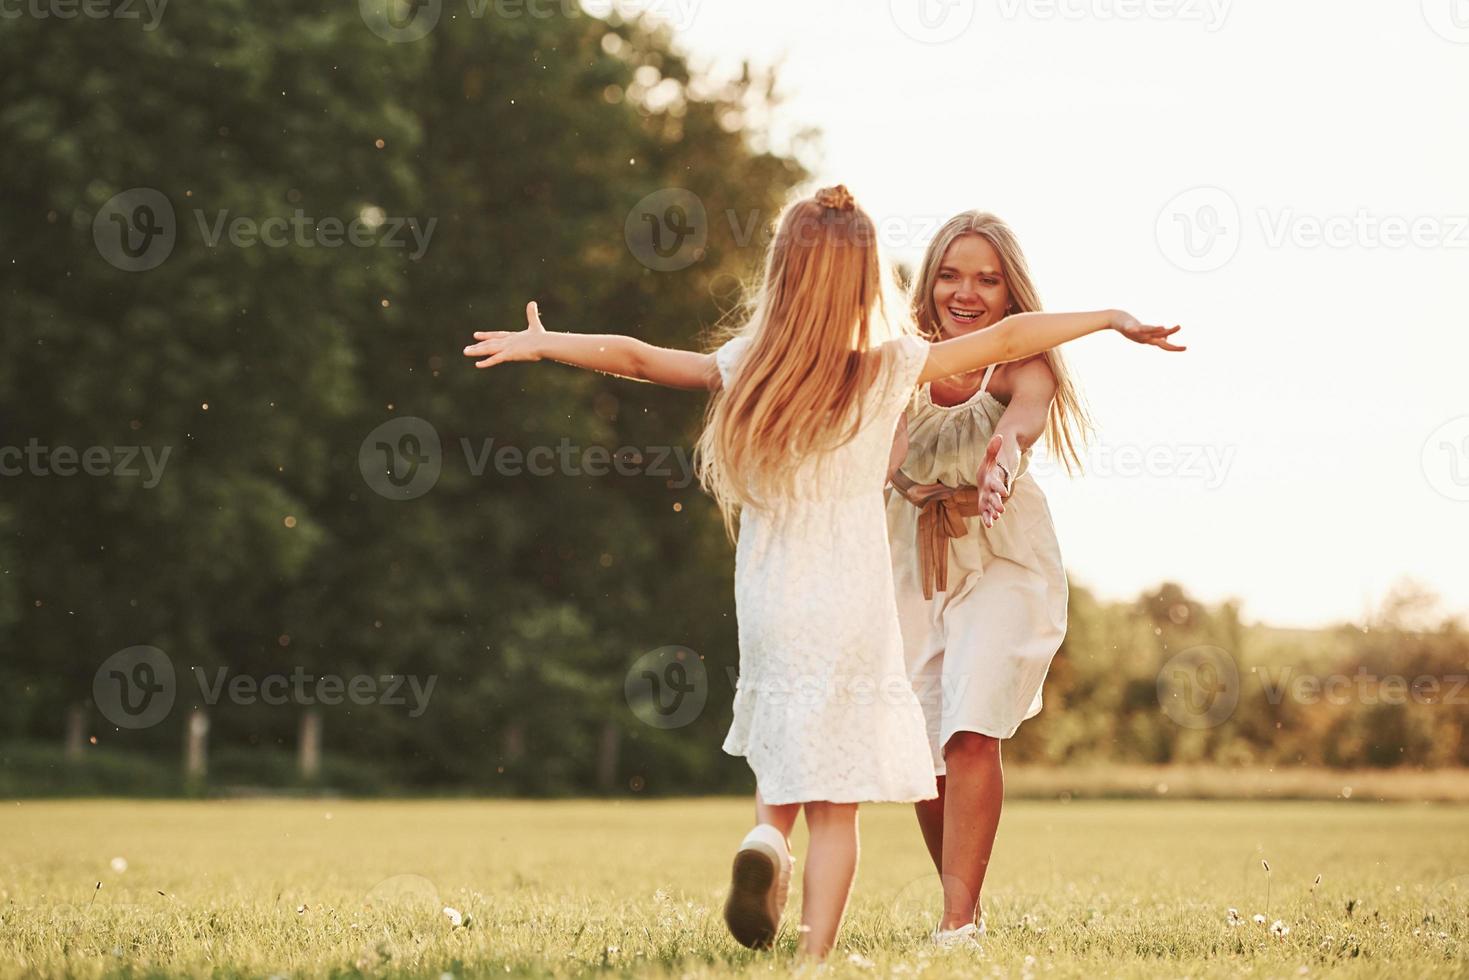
837	198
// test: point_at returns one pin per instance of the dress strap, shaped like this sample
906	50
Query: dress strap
985	384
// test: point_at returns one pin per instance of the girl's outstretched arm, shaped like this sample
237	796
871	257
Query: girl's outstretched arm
1025	334
626	357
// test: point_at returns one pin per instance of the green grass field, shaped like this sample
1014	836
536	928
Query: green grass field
1080	889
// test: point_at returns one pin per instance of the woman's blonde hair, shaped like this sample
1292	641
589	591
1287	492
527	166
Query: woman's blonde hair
1068	423
824	301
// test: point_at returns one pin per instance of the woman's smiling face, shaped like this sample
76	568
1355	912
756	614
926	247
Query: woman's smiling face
970	292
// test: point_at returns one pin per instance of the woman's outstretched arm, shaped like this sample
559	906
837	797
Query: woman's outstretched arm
616	354
1025	334
1032	387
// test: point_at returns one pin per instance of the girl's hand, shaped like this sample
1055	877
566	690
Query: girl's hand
499	346
1128	326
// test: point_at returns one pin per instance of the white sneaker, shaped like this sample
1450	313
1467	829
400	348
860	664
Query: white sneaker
966	936
759	885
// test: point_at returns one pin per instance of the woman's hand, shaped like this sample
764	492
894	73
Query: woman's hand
1129	327
499	346
992	482
993	491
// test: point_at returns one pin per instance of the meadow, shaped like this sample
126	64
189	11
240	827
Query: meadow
1116	888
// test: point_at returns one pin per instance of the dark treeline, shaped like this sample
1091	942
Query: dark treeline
192	444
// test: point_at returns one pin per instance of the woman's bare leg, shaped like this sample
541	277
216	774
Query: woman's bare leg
931	823
975	791
831	866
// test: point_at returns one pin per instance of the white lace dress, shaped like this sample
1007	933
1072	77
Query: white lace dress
824	710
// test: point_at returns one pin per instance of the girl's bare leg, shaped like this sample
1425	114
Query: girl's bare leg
972	794
782	818
761	875
831	866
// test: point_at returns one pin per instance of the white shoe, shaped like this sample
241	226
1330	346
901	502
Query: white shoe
966	936
759	885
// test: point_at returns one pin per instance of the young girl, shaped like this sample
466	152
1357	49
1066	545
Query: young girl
797	437
981	599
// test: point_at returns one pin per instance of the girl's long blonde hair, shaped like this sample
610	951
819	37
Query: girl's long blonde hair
1068	424
823	303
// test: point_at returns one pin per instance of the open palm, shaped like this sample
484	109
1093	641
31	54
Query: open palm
499	346
1139	333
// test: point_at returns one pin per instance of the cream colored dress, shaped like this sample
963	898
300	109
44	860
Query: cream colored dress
977	653
823	709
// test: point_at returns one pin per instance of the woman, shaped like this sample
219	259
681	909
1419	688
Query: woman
981	600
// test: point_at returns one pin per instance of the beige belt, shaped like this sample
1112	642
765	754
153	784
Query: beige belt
940	518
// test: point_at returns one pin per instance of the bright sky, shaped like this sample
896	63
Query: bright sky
1312	447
